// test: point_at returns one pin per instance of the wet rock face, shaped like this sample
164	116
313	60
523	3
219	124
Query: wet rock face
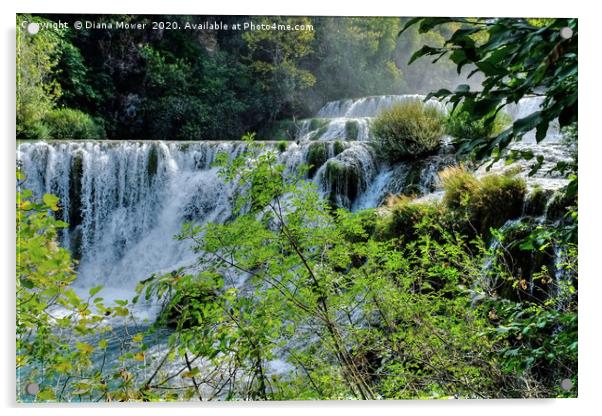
344	181
317	155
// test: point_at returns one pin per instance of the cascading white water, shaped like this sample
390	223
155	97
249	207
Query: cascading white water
369	106
124	201
350	119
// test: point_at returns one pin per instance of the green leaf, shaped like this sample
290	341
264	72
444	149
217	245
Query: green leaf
51	201
46	394
84	347
27	283
95	290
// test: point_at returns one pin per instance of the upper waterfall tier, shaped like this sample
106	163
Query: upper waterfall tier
350	119
368	106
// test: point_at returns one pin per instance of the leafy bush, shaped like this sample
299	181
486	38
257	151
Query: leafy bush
67	123
404	218
63	352
459	185
410	219
462	125
282	145
37	87
408	130
487	202
36	130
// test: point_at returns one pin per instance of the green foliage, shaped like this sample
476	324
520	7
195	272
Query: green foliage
51	70
487	202
537	335
460	124
66	123
37	87
274	57
517	59
351	311
355	57
408	130
62	336
279	130
351	316
174	86
180	105
406	218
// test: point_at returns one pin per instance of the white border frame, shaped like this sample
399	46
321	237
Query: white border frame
589	149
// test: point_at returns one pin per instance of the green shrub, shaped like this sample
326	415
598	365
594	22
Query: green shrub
67	123
407	217
36	130
282	145
487	202
459	185
458	125
408	130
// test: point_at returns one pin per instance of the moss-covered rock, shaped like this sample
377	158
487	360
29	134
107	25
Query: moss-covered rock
316	156
75	189
282	145
536	201
344	182
351	130
338	147
316	134
413	178
152	164
558	205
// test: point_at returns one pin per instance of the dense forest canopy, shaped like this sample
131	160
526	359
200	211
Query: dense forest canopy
211	84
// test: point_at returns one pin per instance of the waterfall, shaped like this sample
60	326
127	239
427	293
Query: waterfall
350	119
124	201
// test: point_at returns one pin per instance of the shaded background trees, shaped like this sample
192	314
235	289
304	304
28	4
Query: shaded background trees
211	84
